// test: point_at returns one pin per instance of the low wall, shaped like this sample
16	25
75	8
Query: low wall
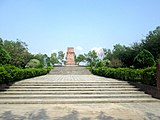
3	86
147	89
158	80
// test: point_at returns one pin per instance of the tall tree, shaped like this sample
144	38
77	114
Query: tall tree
152	42
54	58
61	57
4	56
47	62
108	54
91	58
144	59
18	51
80	58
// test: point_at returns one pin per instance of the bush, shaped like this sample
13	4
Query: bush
4	76
146	76
144	59
5	57
11	73
149	76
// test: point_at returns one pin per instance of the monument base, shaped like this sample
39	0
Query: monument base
71	65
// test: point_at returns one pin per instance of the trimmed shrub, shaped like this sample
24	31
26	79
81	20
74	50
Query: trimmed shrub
145	76
4	76
11	73
149	76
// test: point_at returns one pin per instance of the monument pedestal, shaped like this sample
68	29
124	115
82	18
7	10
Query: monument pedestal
70	57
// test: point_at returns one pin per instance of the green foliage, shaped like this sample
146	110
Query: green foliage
4	76
80	58
144	59
91	58
152	43
18	51
126	54
146	76
61	57
34	63
11	73
149	76
44	60
100	63
4	56
54	58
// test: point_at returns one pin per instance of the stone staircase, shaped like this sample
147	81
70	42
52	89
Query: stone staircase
72	89
70	70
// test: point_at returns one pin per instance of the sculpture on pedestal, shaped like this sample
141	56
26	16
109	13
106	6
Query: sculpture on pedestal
70	56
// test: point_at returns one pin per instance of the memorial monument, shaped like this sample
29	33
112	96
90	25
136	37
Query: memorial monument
70	56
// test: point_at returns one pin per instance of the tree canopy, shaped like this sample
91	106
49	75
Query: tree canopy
18	52
144	59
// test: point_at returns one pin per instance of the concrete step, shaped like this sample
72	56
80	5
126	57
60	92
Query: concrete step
74	84
70	70
77	101
122	86
67	92
69	83
74	96
72	89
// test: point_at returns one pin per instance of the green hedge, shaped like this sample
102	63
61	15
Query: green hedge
145	76
11	73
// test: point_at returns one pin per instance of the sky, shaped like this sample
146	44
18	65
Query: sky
49	26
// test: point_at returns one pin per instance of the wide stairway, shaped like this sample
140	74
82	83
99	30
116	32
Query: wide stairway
72	89
70	70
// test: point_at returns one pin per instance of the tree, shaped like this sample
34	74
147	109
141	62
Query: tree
18	51
40	57
144	59
46	61
61	57
1	42
108	54
80	58
128	55
118	50
152	43
34	63
43	58
54	58
115	56
91	58
4	56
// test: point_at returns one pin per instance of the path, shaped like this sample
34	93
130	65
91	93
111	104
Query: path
71	96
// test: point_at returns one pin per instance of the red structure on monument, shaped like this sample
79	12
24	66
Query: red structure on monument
70	56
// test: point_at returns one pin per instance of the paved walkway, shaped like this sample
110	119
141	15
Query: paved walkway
76	97
107	111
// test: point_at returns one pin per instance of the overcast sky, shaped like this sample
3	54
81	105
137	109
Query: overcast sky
52	25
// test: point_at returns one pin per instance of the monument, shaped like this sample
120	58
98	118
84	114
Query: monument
70	56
